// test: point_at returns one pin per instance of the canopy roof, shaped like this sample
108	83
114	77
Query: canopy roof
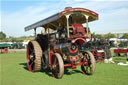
55	20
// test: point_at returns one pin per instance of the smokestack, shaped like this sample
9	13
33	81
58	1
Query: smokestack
66	8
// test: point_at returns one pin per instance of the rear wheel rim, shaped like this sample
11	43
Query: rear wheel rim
29	57
99	58
34	54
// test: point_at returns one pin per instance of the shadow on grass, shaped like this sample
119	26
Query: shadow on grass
25	66
49	72
74	71
46	71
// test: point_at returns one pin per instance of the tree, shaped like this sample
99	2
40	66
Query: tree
125	36
109	35
2	35
99	36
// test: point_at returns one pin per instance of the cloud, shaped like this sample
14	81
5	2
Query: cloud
69	1
13	23
112	16
107	0
74	0
112	21
0	22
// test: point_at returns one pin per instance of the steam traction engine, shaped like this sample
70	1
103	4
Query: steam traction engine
59	46
99	48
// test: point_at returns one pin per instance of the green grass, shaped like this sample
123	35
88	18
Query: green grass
14	72
119	59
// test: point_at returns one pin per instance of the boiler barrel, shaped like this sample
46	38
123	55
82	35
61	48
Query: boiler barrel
61	47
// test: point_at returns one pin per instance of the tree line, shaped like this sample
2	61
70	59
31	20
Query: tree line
109	35
3	37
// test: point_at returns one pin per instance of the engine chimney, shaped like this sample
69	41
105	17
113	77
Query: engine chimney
66	8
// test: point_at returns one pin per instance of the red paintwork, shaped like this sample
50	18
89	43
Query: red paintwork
93	52
1	50
98	56
55	65
5	50
77	9
78	36
50	59
73	58
71	51
75	64
116	51
120	50
78	28
28	58
80	39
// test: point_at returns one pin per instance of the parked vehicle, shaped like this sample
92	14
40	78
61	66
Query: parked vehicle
4	48
121	47
16	45
99	48
60	45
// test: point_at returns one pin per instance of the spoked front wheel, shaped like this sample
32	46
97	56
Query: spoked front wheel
89	65
57	66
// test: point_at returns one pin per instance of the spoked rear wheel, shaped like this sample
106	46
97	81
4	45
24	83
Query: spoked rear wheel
90	66
99	55
94	52
57	66
34	54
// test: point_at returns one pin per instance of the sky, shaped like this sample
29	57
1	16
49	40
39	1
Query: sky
17	14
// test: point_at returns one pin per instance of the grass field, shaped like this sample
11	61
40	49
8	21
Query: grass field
14	72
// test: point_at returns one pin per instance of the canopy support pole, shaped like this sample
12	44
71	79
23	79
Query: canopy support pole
35	32
67	17
86	22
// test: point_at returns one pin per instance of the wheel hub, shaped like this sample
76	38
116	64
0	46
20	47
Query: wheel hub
31	57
